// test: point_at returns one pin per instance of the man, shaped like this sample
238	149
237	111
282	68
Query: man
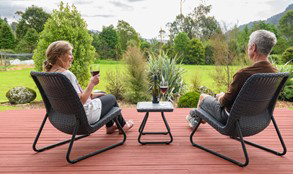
260	45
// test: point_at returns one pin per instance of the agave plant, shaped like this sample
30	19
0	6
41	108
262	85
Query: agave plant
166	69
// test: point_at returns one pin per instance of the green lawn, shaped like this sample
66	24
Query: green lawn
12	78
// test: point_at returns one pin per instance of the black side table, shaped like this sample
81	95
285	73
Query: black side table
154	107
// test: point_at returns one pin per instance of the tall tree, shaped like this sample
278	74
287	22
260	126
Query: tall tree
29	42
181	42
108	43
7	38
66	24
33	17
196	24
204	25
126	34
181	24
286	26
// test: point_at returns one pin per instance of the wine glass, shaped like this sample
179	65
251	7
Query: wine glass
163	87
95	69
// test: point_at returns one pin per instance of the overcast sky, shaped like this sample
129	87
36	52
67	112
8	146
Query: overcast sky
148	16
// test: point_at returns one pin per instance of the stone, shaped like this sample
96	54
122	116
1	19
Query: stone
21	95
206	90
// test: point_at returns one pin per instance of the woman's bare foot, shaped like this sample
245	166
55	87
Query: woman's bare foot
110	130
129	124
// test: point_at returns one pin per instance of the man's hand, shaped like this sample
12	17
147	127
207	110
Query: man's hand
96	95
220	95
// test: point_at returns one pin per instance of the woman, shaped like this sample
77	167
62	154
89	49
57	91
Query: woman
59	59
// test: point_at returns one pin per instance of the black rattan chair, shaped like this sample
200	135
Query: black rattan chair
66	113
251	113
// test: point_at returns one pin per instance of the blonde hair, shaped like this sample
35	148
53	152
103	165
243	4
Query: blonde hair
54	51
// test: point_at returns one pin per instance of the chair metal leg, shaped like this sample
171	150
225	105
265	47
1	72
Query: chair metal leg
53	145
220	155
96	152
73	138
267	149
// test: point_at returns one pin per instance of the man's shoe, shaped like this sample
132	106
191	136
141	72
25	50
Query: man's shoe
192	121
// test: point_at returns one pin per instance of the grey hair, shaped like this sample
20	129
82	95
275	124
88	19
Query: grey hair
264	41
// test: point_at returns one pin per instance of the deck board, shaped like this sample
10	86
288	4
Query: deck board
18	129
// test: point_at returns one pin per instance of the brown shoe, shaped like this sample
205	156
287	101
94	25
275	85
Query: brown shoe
129	124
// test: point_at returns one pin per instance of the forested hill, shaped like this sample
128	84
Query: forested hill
272	20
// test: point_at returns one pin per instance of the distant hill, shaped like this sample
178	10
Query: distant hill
272	20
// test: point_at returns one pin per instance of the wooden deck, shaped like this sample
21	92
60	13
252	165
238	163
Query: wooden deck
18	129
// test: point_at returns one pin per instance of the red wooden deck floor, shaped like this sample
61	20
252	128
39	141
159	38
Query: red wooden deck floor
18	129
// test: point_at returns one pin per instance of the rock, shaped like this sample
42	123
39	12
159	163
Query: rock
206	90
20	95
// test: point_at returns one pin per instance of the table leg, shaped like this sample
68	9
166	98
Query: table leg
143	121
141	128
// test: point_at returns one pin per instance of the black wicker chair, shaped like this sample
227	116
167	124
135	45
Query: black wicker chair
66	113
251	113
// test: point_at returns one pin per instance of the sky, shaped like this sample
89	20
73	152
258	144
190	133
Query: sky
147	17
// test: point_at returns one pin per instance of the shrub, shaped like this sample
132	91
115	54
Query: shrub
165	67
136	79
115	84
195	81
67	24
277	59
287	91
181	43
288	55
189	100
195	53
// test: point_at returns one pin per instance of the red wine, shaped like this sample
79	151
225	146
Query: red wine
163	89
95	73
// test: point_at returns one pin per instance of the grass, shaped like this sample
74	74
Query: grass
4	108
12	78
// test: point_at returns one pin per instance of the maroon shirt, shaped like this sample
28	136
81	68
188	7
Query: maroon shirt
239	79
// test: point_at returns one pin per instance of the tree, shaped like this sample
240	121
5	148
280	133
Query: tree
168	48
195	53
29	42
196	24
205	26
67	24
7	39
286	26
33	17
126	33
180	45
108	43
181	24
145	47
225	54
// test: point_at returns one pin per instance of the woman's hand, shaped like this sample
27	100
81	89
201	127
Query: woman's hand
95	79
